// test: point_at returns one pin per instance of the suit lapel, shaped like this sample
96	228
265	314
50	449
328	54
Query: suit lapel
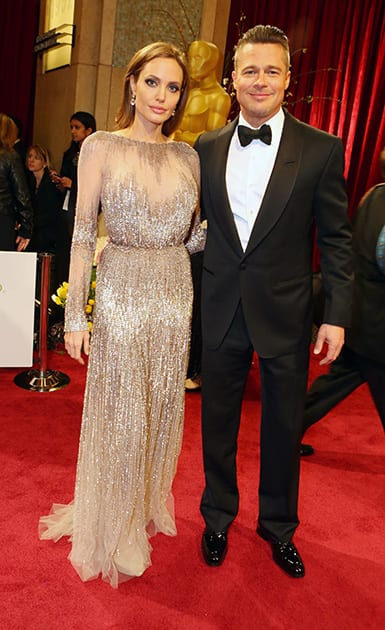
281	183
218	188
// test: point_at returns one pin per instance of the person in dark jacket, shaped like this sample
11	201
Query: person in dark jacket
16	214
362	359
46	200
82	124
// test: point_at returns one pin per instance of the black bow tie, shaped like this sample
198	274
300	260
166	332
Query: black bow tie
246	134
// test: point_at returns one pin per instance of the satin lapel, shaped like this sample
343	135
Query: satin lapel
217	185
281	182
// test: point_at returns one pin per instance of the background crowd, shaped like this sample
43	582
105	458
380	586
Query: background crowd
37	202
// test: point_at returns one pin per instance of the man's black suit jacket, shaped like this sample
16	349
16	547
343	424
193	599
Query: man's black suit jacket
273	277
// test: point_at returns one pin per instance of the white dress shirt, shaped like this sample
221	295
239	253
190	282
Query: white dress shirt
248	171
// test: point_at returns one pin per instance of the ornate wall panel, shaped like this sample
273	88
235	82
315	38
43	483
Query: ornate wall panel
144	21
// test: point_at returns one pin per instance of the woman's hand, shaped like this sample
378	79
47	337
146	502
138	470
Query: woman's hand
21	243
74	341
66	182
61	183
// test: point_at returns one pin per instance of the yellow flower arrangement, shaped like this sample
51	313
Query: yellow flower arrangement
60	297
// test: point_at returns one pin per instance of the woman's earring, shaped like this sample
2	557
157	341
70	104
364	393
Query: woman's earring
132	101
173	113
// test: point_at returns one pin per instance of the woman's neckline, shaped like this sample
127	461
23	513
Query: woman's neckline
141	141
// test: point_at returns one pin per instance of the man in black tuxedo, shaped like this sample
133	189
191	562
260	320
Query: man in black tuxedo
362	359
262	199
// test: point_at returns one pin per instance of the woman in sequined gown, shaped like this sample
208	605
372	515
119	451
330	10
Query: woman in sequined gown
134	399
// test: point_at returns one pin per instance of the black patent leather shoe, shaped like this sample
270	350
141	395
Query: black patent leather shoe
305	450
285	554
214	547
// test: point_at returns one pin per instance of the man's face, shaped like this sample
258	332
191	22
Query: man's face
260	78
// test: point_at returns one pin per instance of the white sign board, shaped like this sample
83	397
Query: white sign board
17	308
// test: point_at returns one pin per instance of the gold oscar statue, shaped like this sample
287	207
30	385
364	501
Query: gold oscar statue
208	105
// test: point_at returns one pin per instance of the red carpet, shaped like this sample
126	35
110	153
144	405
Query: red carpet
341	536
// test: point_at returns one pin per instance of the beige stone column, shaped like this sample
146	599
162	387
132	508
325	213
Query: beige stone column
215	19
61	92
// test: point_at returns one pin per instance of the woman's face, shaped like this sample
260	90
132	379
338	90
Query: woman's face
35	163
79	132
158	90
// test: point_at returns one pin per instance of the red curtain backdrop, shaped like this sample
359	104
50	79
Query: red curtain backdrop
19	23
338	72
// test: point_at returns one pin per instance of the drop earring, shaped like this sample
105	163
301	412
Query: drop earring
173	113
132	101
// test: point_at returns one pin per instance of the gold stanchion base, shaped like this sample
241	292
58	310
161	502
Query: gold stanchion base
41	380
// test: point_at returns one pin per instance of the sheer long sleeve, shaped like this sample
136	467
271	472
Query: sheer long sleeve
197	236
85	232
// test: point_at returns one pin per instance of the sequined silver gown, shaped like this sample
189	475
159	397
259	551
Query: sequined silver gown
134	399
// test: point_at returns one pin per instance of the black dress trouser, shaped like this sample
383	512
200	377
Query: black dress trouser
283	389
347	373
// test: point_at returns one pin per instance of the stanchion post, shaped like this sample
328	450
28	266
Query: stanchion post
43	328
43	379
